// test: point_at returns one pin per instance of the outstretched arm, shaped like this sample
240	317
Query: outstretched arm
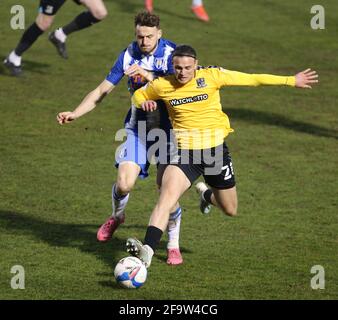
88	103
235	78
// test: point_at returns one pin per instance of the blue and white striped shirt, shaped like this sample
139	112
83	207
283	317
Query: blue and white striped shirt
159	63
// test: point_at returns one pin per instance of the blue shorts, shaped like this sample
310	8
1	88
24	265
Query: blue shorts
138	150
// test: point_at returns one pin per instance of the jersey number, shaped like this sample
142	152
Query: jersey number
228	171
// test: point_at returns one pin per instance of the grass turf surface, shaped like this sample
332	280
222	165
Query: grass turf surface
56	181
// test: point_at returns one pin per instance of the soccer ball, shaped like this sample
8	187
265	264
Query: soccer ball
130	273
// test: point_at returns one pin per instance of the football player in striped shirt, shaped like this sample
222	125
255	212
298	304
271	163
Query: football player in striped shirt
143	60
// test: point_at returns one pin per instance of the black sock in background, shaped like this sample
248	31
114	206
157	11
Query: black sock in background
207	195
83	20
28	38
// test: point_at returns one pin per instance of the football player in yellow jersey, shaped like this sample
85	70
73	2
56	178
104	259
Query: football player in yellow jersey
200	126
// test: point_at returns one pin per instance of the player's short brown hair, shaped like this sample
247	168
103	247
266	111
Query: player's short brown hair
147	19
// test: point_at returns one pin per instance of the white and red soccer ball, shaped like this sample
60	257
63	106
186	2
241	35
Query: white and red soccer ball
130	273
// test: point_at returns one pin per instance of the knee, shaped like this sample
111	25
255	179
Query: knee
100	13
229	209
231	212
124	186
44	22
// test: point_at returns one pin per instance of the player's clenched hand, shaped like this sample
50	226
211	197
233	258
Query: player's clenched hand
135	69
305	78
149	105
65	117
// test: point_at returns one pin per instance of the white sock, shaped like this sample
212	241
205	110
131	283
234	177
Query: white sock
118	204
174	231
60	35
14	58
197	3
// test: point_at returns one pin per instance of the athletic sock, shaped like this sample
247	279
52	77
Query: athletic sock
153	237
60	35
120	202
197	3
207	195
83	20
28	38
14	58
174	225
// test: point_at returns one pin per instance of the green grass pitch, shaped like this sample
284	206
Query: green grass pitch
55	182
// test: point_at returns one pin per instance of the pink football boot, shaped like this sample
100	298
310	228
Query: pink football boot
108	228
174	256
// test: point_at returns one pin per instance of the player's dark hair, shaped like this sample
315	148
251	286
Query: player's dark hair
184	51
147	19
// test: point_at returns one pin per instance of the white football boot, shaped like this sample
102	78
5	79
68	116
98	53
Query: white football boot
139	250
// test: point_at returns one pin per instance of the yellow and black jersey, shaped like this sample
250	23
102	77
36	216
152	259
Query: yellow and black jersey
195	108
